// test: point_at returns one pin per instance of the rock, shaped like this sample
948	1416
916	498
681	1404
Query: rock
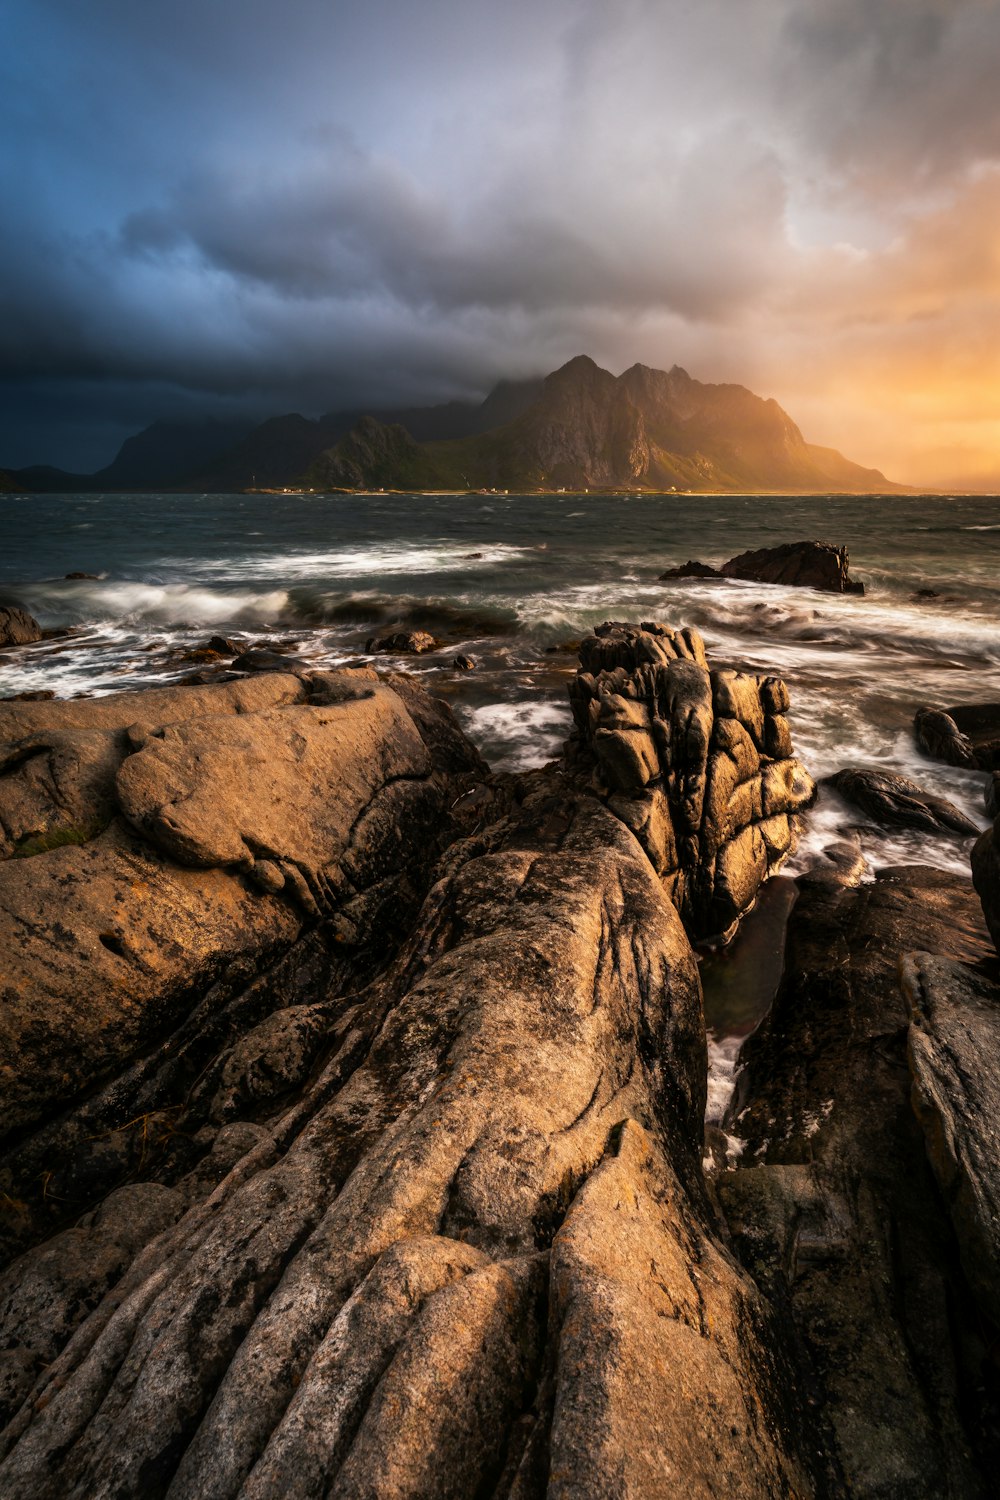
465	663
991	796
402	643
17	628
690	570
696	762
834	1208
93	576
816	565
980	723
129	909
472	1254
894	801
954	1056
223	645
939	735
986	877
265	660
40	695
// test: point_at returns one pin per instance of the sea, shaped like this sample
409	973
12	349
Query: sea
514	581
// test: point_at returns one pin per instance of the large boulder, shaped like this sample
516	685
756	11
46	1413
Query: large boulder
814	565
17	627
696	762
472	1254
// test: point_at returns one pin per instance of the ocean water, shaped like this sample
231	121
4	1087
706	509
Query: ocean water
515	581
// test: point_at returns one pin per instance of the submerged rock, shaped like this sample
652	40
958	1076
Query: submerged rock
17	627
895	801
402	643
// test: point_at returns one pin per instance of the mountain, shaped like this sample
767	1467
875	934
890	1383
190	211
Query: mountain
580	427
646	429
161	457
218	457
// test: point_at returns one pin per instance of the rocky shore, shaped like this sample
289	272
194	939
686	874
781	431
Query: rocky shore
352	1133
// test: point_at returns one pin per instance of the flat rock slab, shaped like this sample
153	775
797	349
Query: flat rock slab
954	1056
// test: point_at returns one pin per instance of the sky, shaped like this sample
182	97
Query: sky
236	208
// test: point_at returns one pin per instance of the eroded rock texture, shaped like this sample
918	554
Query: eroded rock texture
182	865
470	1252
697	762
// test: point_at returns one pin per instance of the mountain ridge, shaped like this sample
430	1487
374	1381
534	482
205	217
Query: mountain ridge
649	429
579	427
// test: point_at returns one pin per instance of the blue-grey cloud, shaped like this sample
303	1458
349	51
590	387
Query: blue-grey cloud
241	205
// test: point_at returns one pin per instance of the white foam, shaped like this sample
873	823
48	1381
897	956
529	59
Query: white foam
354	562
516	736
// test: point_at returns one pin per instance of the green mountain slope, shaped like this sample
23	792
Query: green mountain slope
645	429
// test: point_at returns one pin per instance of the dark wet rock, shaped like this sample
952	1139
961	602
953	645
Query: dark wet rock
469	1253
814	565
40	695
980	723
696	762
834	1207
926	594
690	570
17	627
92	576
941	738
954	1056
465	663
223	645
262	659
991	796
402	643
986	877
895	801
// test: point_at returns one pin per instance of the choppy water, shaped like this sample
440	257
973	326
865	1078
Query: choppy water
514	581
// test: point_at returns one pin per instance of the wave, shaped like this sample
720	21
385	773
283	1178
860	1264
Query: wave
360	562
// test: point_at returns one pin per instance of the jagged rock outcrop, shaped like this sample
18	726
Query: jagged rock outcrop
697	762
897	802
17	627
833	1205
469	1251
814	565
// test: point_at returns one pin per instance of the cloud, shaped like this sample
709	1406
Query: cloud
308	205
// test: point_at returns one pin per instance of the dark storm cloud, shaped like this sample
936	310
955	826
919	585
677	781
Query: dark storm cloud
242	204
